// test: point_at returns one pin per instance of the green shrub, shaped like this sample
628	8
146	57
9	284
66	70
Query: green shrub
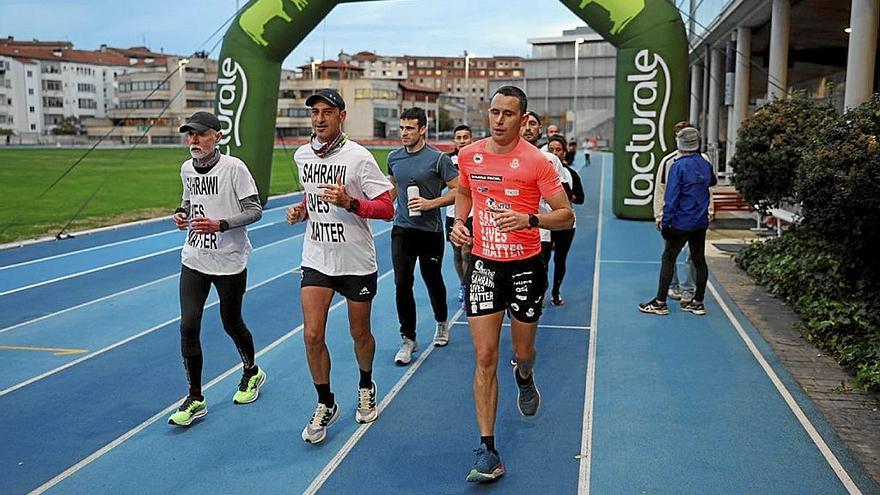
838	187
769	147
840	316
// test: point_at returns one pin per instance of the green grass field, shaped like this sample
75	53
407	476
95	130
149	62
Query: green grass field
133	186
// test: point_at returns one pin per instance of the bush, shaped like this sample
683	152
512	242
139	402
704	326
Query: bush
839	317
838	187
769	148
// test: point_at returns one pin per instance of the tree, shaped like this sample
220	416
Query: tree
68	126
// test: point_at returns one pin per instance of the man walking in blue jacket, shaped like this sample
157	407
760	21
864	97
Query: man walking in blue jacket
685	220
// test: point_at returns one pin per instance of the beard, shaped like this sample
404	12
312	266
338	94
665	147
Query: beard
199	154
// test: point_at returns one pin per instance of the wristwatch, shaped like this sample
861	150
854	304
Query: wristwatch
533	221
354	205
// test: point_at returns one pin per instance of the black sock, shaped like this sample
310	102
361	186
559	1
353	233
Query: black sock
489	442
366	379
324	395
249	372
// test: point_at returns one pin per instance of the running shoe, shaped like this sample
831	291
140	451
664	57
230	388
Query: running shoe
487	466
316	429
189	411
367	410
407	348
249	387
441	335
686	296
513	359
674	293
695	307
654	307
528	399
557	301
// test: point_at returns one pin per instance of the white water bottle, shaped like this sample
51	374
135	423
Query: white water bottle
412	191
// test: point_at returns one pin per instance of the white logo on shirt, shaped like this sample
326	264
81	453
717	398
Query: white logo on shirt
511	192
514	163
478	158
365	292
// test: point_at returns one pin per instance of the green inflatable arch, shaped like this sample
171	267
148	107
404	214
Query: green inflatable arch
651	83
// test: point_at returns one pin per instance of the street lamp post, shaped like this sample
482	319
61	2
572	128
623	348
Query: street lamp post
467	90
574	109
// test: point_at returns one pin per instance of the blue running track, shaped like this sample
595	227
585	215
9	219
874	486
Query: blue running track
90	369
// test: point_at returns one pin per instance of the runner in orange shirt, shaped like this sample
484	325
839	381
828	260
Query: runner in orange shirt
503	178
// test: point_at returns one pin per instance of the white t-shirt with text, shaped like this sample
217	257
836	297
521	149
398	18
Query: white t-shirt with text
338	242
217	195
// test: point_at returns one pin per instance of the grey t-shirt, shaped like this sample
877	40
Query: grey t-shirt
431	169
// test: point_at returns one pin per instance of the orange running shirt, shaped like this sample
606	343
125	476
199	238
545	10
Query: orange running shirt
516	180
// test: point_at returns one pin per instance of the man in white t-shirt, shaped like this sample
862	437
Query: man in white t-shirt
343	188
219	200
461	137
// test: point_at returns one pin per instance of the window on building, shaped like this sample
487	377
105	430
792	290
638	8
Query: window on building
33	127
51	85
32	109
53	102
85	88
30	73
31	91
294	112
87	103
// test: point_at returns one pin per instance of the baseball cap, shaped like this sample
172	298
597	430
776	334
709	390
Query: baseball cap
329	95
201	122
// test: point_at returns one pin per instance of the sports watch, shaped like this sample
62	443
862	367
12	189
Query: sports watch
533	221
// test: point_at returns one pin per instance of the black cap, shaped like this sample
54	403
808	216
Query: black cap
201	122
328	95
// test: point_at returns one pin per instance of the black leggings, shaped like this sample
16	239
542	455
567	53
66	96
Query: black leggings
561	240
407	246
194	289
675	241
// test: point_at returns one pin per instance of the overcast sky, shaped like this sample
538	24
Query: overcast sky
391	27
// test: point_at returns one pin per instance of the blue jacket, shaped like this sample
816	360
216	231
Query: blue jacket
687	193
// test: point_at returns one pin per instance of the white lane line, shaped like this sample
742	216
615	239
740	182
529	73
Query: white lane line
111	265
151	329
540	326
122	342
631	262
132	289
586	455
331	466
112	244
814	435
87	303
171	407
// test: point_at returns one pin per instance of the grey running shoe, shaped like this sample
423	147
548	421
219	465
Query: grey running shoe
407	348
316	429
674	293
441	335
367	410
528	399
487	466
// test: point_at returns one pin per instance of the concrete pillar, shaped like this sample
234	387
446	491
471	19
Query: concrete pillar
716	75
740	108
780	24
696	92
862	51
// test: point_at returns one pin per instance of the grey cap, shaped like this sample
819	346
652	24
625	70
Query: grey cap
201	122
328	95
688	139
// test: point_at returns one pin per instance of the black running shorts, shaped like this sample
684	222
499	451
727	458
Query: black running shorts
515	286
358	288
